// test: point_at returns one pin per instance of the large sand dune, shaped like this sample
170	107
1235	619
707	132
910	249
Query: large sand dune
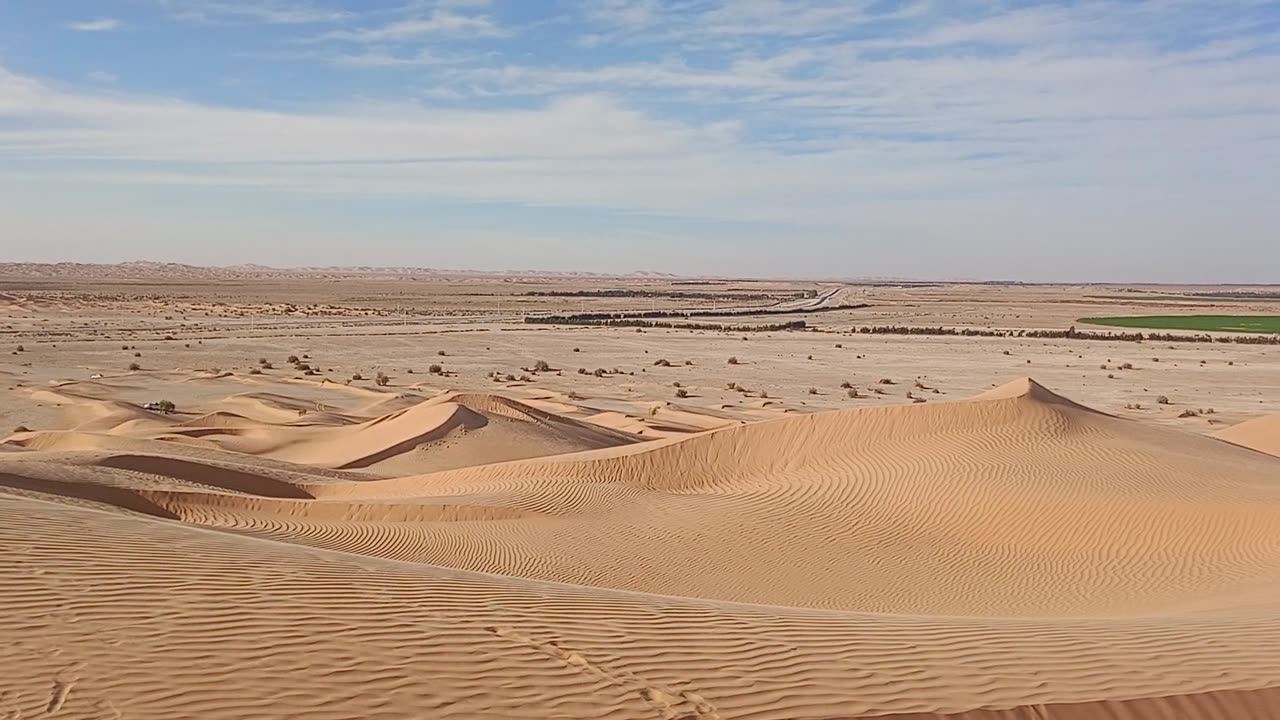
1016	555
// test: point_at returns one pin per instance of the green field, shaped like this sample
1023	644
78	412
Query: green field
1202	323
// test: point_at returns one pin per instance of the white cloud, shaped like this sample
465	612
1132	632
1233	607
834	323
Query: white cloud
440	22
271	12
102	76
100	25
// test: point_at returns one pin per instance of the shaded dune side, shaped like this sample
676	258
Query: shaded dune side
480	429
190	623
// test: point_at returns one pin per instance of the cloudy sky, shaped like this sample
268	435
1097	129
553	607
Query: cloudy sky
1110	140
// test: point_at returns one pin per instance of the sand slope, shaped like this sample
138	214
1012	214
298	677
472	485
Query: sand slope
1012	556
1261	434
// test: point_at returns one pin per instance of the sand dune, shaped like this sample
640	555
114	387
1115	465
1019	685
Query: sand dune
1261	434
1015	555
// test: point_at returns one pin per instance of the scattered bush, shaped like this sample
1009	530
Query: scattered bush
381	379
541	366
166	406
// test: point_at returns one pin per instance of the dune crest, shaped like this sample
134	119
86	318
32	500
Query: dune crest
1014	555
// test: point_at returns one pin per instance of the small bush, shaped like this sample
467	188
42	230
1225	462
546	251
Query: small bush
166	406
442	353
267	366
852	393
1006	352
22	348
887	381
1126	366
577	349
813	391
1155	359
381	379
134	366
1111	376
137	354
839	345
846	385
541	366
293	359
682	393
170	337
357	376
583	371
22	429
255	371
733	359
302	366
1162	400
262	361
764	394
310	371
675	384
435	370
599	372
1188	414
662	363
731	386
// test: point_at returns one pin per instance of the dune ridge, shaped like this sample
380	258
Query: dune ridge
1015	555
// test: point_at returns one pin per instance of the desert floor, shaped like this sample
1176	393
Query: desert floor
530	520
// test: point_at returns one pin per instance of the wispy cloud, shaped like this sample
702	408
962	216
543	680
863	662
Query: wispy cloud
100	25
271	12
439	22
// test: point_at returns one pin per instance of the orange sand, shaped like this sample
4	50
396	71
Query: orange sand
1011	556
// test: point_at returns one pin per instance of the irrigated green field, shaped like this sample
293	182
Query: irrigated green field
1202	323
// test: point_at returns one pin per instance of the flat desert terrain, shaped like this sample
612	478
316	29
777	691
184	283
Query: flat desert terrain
335	494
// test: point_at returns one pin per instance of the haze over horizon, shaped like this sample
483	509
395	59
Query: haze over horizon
1037	141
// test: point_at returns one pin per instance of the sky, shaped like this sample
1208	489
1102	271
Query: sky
1104	141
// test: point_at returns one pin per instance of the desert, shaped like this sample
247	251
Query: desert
420	497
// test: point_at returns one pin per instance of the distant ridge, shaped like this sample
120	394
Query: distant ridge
144	270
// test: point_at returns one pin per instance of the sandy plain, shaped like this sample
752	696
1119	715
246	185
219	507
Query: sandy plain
812	542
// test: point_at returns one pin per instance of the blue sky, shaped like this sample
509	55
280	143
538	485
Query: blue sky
1043	141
